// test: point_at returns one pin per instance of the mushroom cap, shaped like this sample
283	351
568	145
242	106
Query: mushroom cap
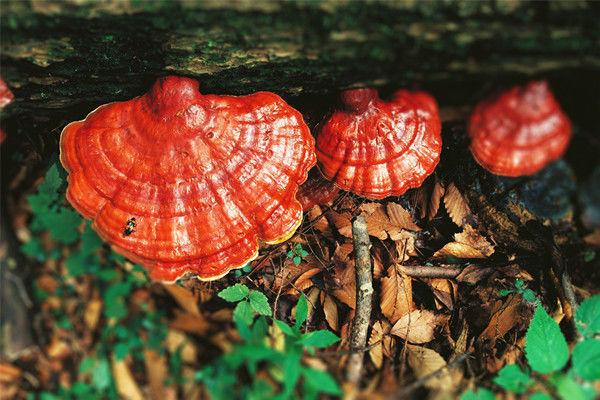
316	190
6	96
519	131
205	176
378	149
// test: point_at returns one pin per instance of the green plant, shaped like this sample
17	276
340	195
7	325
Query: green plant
547	354
522	290
261	351
297	254
123	332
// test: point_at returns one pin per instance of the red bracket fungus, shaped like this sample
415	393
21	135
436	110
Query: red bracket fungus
316	190
520	131
378	149
6	97
184	182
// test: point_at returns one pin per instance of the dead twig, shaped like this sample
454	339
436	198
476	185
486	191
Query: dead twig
364	295
425	271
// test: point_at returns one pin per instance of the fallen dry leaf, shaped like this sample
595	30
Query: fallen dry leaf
396	295
126	385
343	276
444	292
331	311
379	223
304	282
506	313
343	223
178	341
9	372
456	205
405	246
318	221
400	217
184	297
376	352
427	363
593	239
157	373
91	315
417	326
468	244
190	323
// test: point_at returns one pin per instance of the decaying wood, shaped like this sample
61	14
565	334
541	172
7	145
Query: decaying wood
364	296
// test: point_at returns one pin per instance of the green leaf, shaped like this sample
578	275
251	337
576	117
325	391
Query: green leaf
511	378
303	253
529	296
480	394
321	381
34	249
285	328
519	284
322	338
291	372
243	313
568	389
52	181
545	347
63	226
121	350
290	254
86	364
260	303
301	311
503	293
587	316
540	396
234	293
297	260
586	359
101	376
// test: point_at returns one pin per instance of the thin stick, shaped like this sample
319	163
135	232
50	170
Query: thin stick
364	294
425	271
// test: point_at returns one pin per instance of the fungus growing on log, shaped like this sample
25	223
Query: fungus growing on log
316	190
377	149
183	182
520	131
6	97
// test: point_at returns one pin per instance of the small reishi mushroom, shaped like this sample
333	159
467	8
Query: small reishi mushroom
183	182
520	131
316	190
6	97
378	149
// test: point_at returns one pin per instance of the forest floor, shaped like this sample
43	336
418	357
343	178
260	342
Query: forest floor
451	307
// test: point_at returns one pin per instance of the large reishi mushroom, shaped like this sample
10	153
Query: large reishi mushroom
519	131
6	97
183	182
378	149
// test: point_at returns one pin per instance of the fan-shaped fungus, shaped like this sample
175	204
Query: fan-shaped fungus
184	182
316	190
520	131
378	149
6	97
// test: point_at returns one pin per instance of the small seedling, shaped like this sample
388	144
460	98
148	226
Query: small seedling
297	254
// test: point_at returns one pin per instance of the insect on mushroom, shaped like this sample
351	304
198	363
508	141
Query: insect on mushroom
213	176
129	227
378	149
